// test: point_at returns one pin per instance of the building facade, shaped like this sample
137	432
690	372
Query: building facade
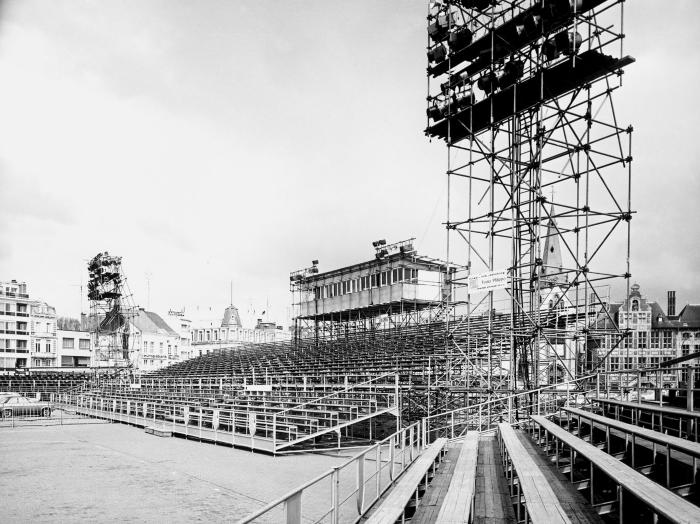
653	336
74	348
209	335
15	337
154	343
43	347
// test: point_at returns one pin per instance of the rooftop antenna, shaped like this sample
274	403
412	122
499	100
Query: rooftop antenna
148	290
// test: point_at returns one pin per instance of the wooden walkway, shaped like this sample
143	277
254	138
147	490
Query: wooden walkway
492	502
430	505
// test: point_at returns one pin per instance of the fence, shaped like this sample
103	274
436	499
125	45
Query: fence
18	411
649	384
345	492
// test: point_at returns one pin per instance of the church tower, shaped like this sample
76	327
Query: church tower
551	270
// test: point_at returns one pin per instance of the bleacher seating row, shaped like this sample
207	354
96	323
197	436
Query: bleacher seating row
576	465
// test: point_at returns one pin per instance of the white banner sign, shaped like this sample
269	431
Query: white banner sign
490	281
258	387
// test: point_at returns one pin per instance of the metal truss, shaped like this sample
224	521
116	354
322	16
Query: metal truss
522	94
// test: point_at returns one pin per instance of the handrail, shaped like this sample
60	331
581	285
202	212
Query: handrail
292	499
337	392
507	397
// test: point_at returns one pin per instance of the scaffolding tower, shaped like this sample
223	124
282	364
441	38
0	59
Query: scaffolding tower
538	182
111	311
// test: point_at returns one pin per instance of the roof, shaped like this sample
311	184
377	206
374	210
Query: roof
150	322
690	315
551	272
231	318
603	321
431	264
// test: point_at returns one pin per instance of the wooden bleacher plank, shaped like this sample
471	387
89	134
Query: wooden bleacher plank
542	503
427	511
665	502
392	507
681	444
575	506
457	504
647	406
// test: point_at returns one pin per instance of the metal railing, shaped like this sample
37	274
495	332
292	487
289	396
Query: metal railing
367	398
648	384
346	492
38	413
511	408
267	421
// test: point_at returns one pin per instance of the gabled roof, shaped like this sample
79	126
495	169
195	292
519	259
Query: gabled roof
603	320
150	322
690	315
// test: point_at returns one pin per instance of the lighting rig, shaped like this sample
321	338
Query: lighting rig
521	91
382	249
110	311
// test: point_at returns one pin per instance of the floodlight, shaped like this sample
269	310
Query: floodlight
437	53
460	38
512	72
440	24
487	82
479	5
562	43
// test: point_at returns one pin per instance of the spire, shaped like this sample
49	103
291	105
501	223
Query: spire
551	257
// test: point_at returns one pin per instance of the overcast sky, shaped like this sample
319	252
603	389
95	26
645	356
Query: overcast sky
217	141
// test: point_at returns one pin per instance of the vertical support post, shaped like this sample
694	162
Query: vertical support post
360	481
335	495
292	509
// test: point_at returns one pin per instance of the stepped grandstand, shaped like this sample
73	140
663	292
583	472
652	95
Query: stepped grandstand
474	396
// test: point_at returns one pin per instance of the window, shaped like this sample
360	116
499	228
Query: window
68	343
384	275
655	340
84	343
400	274
374	281
37	347
48	346
668	340
642	340
394	276
21	344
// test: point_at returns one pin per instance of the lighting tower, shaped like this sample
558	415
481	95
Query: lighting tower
521	91
110	311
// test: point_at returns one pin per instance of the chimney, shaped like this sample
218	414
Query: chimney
671	304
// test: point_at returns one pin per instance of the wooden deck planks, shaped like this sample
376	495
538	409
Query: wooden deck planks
457	504
429	507
492	503
392	507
